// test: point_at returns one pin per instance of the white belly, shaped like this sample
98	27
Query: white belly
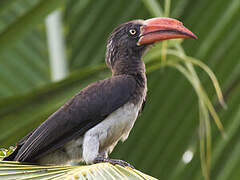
115	127
102	138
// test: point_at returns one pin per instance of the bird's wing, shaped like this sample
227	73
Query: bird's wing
89	107
20	143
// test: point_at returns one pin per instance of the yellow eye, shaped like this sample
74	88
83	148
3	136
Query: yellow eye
132	31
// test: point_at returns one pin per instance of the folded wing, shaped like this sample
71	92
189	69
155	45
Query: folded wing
89	107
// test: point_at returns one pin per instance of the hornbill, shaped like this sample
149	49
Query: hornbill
89	125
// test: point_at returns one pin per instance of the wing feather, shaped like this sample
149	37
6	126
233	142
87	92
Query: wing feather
82	112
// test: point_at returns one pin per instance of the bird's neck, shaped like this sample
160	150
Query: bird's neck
134	66
128	66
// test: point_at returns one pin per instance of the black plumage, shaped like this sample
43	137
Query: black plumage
82	112
105	111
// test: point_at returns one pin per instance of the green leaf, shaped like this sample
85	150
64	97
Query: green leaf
169	125
5	4
15	170
21	26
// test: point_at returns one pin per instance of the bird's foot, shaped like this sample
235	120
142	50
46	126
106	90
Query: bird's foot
113	162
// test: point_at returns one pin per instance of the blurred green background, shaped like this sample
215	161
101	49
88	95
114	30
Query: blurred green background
167	131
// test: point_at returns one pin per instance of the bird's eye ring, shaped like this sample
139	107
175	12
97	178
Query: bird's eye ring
132	31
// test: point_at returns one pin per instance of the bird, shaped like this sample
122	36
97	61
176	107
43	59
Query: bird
88	127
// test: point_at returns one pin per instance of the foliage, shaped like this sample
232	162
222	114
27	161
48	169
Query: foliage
168	127
12	170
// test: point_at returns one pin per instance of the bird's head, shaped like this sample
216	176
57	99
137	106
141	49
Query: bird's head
131	39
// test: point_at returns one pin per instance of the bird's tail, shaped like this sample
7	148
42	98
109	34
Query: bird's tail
12	156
